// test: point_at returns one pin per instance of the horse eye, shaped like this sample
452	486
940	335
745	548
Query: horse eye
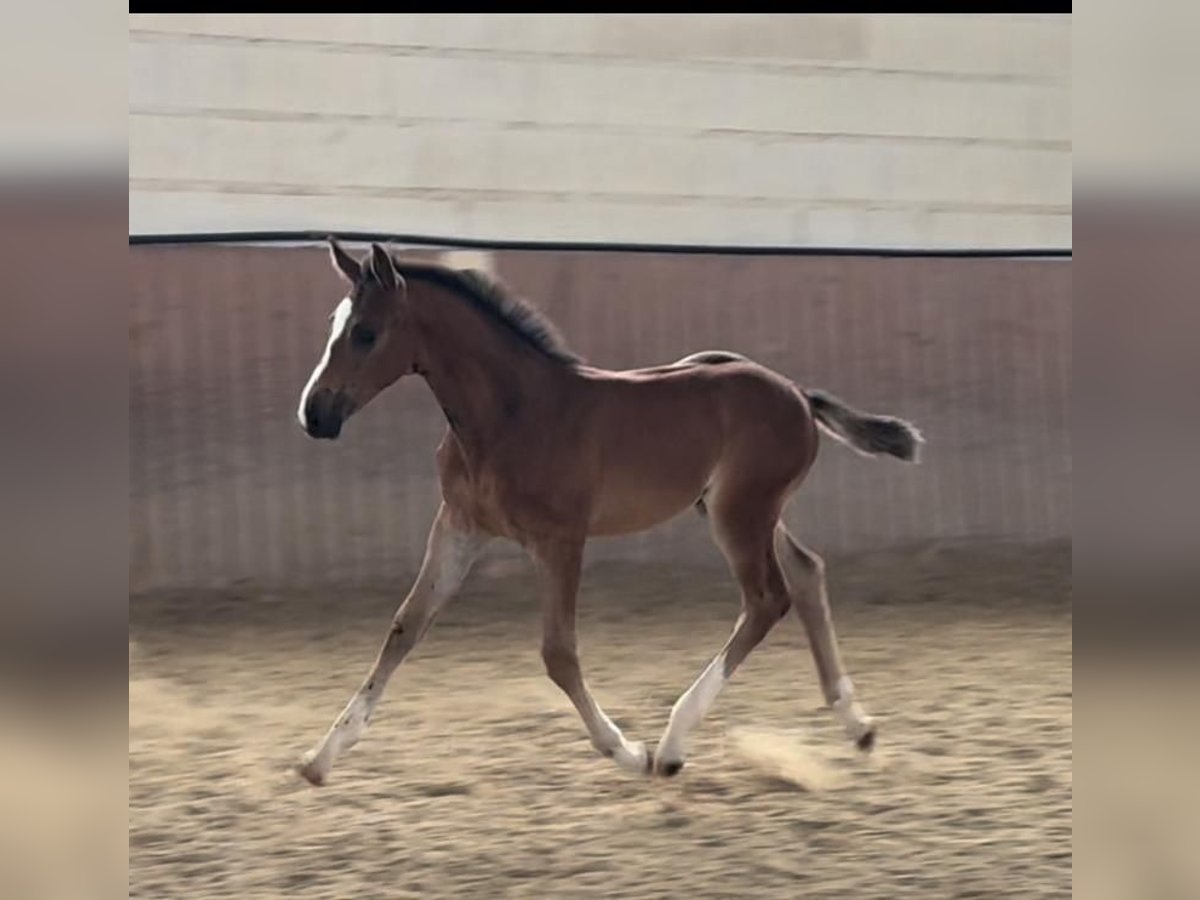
362	336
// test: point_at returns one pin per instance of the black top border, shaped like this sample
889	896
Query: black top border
419	240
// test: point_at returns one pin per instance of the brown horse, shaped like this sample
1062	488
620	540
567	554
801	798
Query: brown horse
547	451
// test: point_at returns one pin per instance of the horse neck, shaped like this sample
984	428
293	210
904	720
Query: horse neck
486	379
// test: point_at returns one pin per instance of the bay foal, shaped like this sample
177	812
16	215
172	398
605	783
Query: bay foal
547	451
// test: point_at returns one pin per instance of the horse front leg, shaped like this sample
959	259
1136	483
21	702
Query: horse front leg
449	553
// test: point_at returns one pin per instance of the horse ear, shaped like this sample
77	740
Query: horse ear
383	268
343	261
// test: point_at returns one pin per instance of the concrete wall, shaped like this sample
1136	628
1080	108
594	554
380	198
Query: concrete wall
869	130
226	489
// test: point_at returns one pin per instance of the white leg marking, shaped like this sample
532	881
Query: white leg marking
854	720
448	559
342	735
629	755
690	709
341	315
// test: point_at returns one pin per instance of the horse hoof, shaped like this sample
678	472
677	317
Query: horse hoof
670	768
316	779
866	742
310	773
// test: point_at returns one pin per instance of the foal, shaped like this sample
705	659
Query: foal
547	451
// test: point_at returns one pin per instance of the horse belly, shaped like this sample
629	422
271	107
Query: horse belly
639	491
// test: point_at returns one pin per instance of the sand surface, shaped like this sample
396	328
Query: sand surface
476	778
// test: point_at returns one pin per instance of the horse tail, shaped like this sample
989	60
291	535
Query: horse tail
869	434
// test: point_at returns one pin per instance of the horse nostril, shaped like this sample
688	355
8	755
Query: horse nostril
315	422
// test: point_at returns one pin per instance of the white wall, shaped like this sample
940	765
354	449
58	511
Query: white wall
870	130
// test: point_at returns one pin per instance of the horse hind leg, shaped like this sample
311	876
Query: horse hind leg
805	576
744	536
805	572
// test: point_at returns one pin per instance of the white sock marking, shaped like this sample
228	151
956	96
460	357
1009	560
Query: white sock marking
849	713
845	688
628	755
449	557
691	708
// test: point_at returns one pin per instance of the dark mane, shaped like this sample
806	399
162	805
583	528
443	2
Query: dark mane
497	301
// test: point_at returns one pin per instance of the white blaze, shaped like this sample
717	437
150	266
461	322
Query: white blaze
341	316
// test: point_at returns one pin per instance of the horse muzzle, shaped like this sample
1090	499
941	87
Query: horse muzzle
324	414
